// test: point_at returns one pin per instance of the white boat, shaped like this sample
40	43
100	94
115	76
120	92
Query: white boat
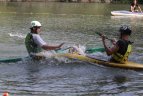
126	13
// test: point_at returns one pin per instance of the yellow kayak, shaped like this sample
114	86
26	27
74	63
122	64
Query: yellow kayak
128	65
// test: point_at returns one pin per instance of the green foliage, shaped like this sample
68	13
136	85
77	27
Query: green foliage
126	1
140	1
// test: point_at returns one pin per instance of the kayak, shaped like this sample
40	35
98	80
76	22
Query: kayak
8	60
128	65
89	59
13	59
62	51
126	13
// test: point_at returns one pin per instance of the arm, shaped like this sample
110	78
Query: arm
109	51
132	9
140	8
48	47
40	42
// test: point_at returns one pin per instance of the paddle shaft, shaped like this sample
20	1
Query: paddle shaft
105	36
63	49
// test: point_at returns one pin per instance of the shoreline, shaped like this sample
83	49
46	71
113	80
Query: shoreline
71	1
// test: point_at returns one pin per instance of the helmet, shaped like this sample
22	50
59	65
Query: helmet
35	24
125	30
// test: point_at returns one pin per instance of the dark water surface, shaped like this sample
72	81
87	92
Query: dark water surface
72	23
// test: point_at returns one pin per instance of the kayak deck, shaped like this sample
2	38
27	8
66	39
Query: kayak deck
128	65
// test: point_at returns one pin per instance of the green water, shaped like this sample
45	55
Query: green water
71	22
61	8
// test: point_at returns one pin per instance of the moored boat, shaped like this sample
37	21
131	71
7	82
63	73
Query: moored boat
126	13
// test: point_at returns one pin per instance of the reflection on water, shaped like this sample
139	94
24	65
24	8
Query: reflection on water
78	78
120	79
72	23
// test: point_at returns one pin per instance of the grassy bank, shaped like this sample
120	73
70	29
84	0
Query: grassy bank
85	1
126	1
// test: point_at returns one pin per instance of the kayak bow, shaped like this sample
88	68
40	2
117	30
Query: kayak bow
10	60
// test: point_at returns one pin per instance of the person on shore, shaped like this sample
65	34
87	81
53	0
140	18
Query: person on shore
135	7
35	44
122	48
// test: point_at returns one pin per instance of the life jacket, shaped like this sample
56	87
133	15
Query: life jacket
122	58
31	46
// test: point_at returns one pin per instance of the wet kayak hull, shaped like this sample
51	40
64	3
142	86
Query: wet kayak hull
128	65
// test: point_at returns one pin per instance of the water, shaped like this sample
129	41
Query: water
72	23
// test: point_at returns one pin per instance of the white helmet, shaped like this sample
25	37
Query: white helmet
35	24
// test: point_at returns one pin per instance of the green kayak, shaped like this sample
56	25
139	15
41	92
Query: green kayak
16	59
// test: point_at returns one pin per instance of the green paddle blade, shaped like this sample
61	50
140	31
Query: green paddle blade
90	50
93	50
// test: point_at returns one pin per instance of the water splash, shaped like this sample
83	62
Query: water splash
18	35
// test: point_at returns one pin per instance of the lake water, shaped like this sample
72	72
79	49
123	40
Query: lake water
72	23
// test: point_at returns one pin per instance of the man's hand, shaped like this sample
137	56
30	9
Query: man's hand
61	45
114	41
103	37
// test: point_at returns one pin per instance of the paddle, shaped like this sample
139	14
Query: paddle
100	34
93	50
62	50
89	50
